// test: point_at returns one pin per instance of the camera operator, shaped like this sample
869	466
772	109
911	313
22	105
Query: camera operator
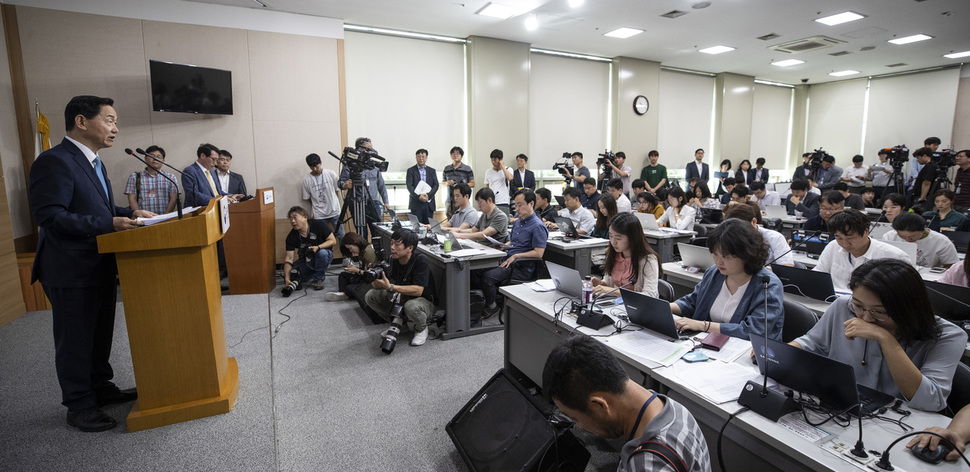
307	250
915	167
803	171
374	182
411	276
828	174
961	183
579	173
922	186
621	170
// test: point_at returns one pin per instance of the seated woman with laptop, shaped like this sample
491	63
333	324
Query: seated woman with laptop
630	261
679	214
887	332
730	298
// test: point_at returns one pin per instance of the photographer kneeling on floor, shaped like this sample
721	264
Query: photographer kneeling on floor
308	250
410	275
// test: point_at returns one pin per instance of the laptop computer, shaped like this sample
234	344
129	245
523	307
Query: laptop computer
879	229
807	242
568	228
960	239
566	280
951	302
805	282
561	201
776	211
833	382
652	313
909	248
415	224
455	244
783	188
695	256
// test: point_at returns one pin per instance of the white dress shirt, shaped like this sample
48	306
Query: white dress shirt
583	219
777	245
840	264
684	221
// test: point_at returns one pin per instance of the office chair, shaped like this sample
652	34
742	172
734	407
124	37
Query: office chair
798	320
665	290
540	270
959	391
699	241
701	231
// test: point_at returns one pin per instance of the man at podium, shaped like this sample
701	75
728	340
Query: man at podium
72	202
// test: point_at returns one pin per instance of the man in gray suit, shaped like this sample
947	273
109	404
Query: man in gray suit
828	174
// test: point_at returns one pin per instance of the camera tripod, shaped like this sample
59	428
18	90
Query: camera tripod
360	204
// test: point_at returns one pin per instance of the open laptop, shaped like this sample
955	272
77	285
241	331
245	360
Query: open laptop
561	201
879	229
652	313
783	188
455	243
833	382
695	256
960	239
776	211
568	228
805	282
415	224
951	302
909	248
807	242
566	280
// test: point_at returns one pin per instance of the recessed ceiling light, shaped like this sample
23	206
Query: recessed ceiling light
716	49
787	62
843	73
575	3
840	18
496	10
910	39
531	22
957	55
623	33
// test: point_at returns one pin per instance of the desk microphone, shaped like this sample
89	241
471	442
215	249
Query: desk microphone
874	223
771	404
814	235
178	199
591	318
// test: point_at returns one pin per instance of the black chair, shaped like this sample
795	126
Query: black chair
540	270
772	223
798	320
701	231
700	241
665	290
799	265
959	390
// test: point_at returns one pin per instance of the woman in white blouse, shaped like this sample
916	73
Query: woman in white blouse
630	261
703	198
679	214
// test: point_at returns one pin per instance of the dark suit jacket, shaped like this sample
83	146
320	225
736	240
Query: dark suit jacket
196	186
413	177
530	181
753	174
69	204
692	171
742	177
808	206
237	186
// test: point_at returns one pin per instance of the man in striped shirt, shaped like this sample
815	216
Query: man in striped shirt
588	384
149	189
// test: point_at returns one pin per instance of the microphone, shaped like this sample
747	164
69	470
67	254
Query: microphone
178	200
768	403
593	319
936	216
143	153
874	223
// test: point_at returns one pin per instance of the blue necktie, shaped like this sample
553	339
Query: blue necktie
97	170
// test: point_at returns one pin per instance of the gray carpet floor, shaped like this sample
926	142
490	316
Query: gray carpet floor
316	393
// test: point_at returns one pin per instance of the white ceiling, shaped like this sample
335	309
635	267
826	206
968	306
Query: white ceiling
675	42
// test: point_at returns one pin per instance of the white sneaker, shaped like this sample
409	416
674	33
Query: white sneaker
336	296
420	337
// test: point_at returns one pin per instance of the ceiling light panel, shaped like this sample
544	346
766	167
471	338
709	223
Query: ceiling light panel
623	33
910	39
843	73
957	55
716	49
787	63
840	18
497	10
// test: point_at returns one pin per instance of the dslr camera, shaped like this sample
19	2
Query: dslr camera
288	290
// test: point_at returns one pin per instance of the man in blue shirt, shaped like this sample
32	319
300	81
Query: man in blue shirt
579	173
527	239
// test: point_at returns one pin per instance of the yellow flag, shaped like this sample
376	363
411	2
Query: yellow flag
44	130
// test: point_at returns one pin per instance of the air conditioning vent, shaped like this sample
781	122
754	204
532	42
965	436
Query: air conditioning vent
898	64
807	44
840	53
867	48
674	14
769	37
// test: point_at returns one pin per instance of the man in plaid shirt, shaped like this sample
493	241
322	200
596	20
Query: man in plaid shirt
147	190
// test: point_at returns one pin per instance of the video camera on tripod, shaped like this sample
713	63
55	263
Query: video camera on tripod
606	160
897	156
563	167
359	160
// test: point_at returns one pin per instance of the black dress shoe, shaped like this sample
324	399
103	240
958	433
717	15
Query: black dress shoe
113	395
90	420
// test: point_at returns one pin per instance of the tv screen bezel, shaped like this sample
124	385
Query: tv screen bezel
157	108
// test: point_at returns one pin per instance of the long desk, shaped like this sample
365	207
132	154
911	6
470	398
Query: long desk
665	242
452	277
576	254
752	443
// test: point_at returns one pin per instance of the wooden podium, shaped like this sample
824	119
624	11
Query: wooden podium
173	308
250	244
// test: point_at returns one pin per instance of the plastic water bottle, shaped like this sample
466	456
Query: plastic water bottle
587	289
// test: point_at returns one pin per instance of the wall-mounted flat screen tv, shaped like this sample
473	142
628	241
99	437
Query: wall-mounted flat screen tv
190	89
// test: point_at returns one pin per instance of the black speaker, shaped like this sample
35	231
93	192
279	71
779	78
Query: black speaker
504	428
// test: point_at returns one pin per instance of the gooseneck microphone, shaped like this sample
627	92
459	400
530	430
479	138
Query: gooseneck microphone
178	194
143	153
771	404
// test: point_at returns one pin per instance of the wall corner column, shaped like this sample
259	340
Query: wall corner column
733	97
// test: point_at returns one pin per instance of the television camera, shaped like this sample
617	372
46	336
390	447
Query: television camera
606	160
897	156
563	167
361	206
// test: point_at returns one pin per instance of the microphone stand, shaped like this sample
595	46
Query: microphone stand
178	194
771	404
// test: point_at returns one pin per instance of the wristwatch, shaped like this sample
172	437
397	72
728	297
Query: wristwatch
392	288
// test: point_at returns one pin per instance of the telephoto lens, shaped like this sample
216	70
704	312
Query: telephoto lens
289	288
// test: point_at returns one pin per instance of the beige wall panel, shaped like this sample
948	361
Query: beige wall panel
13	166
499	94
60	63
734	101
181	133
961	120
634	134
